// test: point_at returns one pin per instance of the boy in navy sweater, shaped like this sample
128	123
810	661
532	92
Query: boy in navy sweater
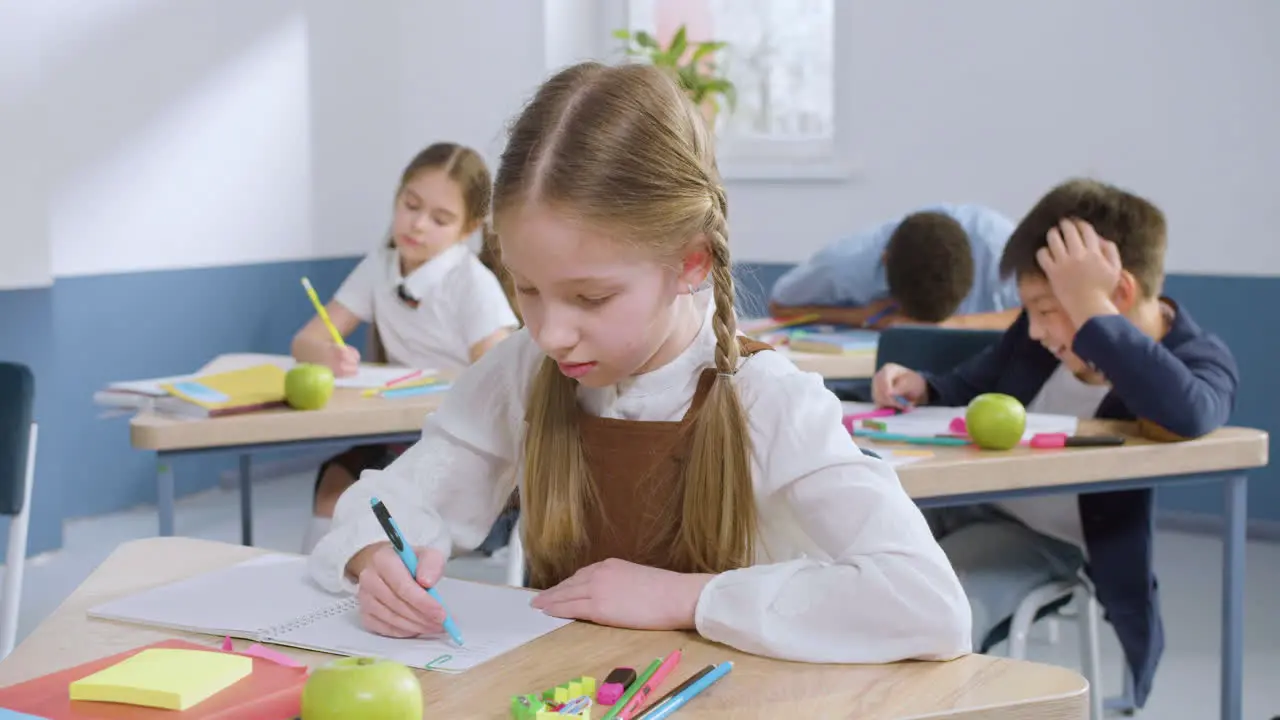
1096	339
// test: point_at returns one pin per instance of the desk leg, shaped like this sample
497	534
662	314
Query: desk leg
1233	547
164	494
246	502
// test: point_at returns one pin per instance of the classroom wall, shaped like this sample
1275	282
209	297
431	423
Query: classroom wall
26	261
180	165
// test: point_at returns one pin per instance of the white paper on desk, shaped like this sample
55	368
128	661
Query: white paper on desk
148	388
272	599
376	376
928	421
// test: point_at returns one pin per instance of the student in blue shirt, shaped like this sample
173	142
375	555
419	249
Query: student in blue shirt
1097	339
937	265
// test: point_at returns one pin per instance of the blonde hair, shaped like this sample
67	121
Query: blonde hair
622	147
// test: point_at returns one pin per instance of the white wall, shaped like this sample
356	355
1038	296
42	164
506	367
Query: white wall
357	116
178	134
218	132
224	132
469	68
24	244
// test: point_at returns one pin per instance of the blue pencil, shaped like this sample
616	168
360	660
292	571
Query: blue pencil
415	390
675	702
910	439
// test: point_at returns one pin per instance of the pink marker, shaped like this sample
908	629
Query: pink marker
852	419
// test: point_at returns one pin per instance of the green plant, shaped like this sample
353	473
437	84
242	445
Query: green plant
693	64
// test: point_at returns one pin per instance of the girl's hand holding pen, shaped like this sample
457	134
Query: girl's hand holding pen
392	602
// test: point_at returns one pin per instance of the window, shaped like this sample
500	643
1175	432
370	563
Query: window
780	57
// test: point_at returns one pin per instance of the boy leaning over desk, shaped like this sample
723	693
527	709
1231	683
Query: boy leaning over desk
1096	339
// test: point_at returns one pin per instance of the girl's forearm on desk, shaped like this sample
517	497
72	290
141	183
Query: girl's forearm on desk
311	347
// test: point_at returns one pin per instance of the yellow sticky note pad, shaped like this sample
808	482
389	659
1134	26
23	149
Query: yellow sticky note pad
164	678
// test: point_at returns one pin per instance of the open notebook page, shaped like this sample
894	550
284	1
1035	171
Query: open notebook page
493	620
376	376
243	600
272	599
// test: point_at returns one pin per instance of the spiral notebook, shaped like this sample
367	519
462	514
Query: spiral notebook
272	599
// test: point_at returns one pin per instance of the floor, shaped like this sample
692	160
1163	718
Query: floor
1189	567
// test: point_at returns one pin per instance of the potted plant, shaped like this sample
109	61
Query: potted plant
693	65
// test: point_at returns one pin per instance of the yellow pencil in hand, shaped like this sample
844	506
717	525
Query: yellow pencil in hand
324	316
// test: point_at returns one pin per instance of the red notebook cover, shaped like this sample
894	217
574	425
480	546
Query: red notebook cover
272	692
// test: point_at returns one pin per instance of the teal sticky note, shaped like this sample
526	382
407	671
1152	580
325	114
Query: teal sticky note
201	393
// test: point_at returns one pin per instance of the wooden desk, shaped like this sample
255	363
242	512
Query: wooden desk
975	686
854	366
961	476
349	419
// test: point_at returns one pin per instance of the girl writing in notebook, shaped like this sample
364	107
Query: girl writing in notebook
432	303
672	473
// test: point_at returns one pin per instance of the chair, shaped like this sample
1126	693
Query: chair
516	571
932	349
919	347
17	471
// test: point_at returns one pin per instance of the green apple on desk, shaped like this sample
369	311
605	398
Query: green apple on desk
362	687
308	386
995	421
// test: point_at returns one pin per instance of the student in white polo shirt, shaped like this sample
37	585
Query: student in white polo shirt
431	301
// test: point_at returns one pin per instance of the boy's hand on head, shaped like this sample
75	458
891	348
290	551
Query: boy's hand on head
392	602
893	383
624	594
343	361
1082	268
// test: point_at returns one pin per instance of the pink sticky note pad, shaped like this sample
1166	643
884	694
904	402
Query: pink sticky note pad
1049	440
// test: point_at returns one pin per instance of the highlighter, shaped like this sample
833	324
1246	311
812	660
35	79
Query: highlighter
1058	440
614	685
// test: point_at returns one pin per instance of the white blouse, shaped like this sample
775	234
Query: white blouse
460	303
847	569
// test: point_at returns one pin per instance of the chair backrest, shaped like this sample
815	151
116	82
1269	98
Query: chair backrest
931	349
17	396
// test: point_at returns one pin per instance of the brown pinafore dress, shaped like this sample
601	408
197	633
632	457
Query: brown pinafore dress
637	470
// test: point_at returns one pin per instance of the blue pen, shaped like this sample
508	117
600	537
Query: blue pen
675	702
871	321
410	561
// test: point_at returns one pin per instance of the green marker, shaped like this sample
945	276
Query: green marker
631	691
